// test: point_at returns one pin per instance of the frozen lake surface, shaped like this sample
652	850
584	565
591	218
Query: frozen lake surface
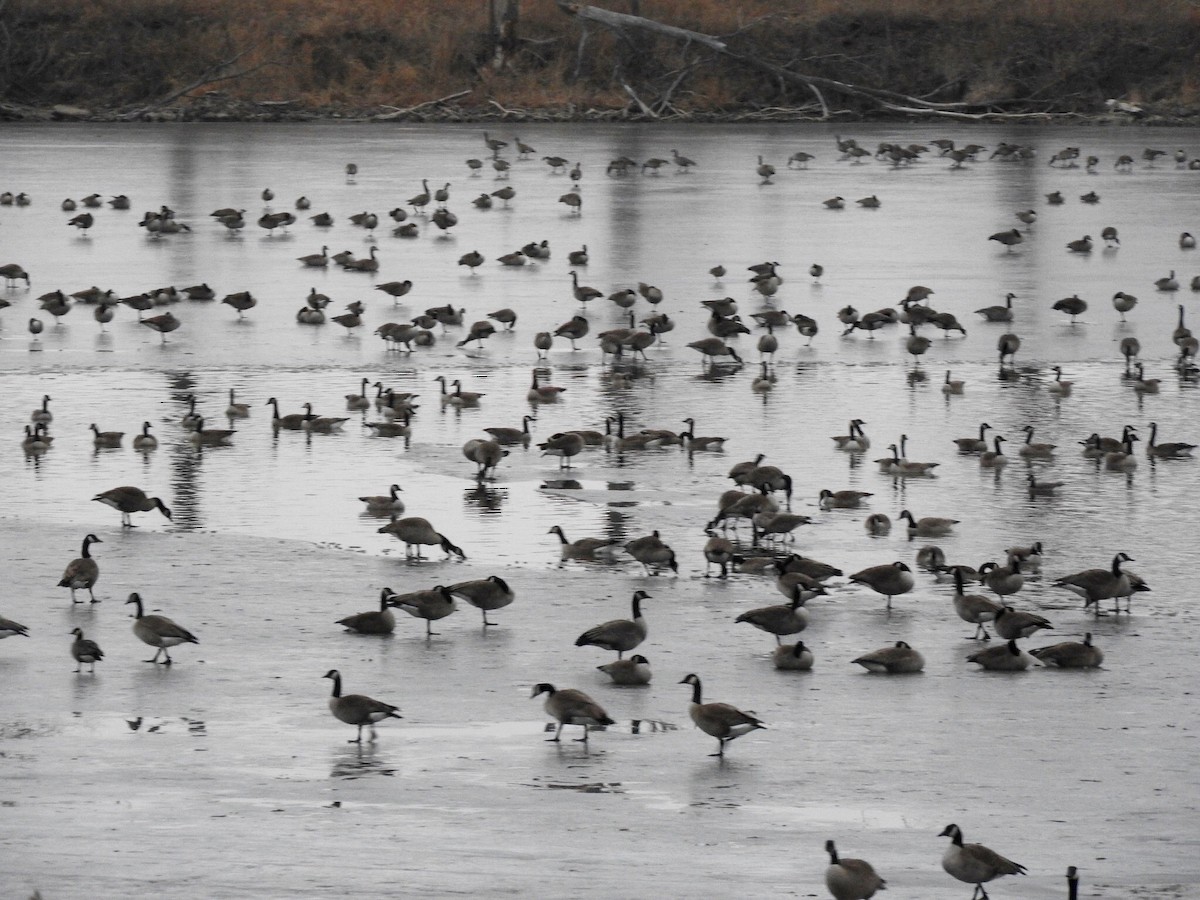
226	776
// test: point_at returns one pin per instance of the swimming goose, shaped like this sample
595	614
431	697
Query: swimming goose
854	442
792	657
484	594
1031	450
358	709
571	707
903	466
993	459
974	863
42	414
1004	658
928	526
931	558
1122	460
375	621
236	410
1058	386
356	401
322	424
416	532
628	672
975	609
145	440
388	502
210	437
1167	284
1011	624
158	631
542	393
889	579
85	651
999	313
1144	385
851	879
9	628
846	499
128	500
584	548
952	387
781	619
1174	450
878	524
82	572
973	444
1071	654
895	660
692	443
618	634
459	397
106	439
430	605
290	422
720	720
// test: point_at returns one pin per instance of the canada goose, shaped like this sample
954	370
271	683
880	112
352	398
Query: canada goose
416	532
1008	345
975	863
375	621
163	324
1009	238
854	442
1042	487
430	605
889	579
846	499
210	437
505	193
916	345
1003	658
388	502
484	594
128	500
779	620
628	672
1071	654
1029	557
764	171
792	657
720	720
472	260
571	707
952	387
572	198
459	397
973	444
512	436
999	313
1167	284
1011	624
106	439
85	651
9	628
82	572
1058	386
718	550
1003	580
1094	585
974	608
145	440
618	634
158	631
834	203
1122	460
928	526
768	524
693	443
358	709
1082	245
1144	385
366	264
1032	450
582	549
851	879
1175	450
895	660
1123	303
421	200
995	458
322	424
542	393
12	273
878	524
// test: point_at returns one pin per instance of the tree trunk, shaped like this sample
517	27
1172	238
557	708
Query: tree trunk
505	15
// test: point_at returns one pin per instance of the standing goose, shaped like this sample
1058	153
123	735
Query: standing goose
415	532
653	553
889	579
1005	658
9	628
899	659
358	709
618	634
974	608
1011	624
631	672
512	436
128	500
374	621
571	707
1123	303
999	313
975	863
1004	580
1094	585
1008	345
720	720
484	594
158	631
791	618
430	605
1071	654
85	651
564	445
851	879
82	572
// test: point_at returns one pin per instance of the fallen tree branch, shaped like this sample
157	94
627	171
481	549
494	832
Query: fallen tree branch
397	111
208	76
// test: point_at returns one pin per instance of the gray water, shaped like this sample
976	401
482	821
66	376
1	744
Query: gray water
1092	768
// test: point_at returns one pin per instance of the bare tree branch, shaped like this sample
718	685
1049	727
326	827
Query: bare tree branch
208	76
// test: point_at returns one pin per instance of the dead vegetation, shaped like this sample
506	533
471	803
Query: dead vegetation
377	56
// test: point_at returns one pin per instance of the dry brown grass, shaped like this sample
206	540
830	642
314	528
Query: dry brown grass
366	53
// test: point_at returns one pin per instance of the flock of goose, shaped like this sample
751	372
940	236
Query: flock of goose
760	499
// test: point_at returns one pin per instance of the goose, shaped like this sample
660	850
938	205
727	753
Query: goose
164	324
916	345
889	579
145	440
12	273
459	397
834	203
542	393
931	558
506	317
1058	386
768	479
315	260
1175	450
578	257
851	879
512	436
798	578
1167	284
42	414
1009	238
85	651
619	634
416	532
1003	658
421	200
764	171
573	330
236	410
485	594
584	548
928	526
106	439
973	444
158	631
898	659
430	605
975	609
854	442
572	198
82	572
878	524
1029	557
1032	450
571	707
1123	303
493	144
128	500
767	524
1187	241
583	293
631	672
974	863
952	387
1072	306
472	260
1122	460
779	620
374	621
1008	345
846	499
1071	654
322	424
9	628
792	657
505	193
1144	385
693	443
999	313
1094	585
1082	245
995	458
1011	624
388	502
1038	486
565	445
210	437
720	720
718	550
358	709
1003	580
523	149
